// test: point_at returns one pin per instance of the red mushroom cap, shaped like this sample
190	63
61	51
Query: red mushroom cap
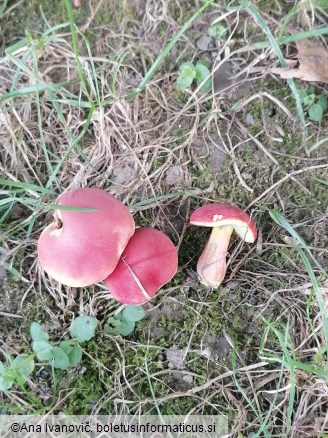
148	262
217	215
83	248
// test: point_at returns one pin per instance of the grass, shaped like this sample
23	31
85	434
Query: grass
275	46
99	108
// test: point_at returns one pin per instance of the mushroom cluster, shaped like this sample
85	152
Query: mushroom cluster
93	239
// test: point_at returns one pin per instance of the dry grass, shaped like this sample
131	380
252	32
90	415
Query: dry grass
174	151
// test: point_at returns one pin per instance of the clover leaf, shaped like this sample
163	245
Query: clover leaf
60	359
203	74
116	326
83	328
186	76
133	313
315	112
38	333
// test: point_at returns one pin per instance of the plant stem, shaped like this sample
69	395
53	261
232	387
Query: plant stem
212	266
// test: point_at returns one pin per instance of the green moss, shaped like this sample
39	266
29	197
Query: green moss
87	390
101	370
104	372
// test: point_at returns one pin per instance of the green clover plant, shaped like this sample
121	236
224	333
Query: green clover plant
314	104
218	30
190	72
16	370
83	328
67	353
64	354
123	323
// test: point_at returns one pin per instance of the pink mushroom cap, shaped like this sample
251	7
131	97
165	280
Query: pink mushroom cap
148	262
218	215
82	248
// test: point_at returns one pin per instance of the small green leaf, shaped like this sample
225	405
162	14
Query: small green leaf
3	368
73	351
60	359
187	67
23	365
133	313
184	82
116	326
67	346
7	377
6	382
302	94
42	350
322	100
315	112
204	62
186	76
83	328
310	90
203	74
75	355
218	30
309	99
38	333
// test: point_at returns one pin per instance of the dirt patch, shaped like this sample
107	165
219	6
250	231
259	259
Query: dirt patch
216	348
229	81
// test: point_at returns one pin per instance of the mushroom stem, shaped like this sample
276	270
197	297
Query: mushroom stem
212	266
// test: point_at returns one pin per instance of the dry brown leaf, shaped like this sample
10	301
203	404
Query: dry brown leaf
310	63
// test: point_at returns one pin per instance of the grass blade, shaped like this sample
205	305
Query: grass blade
243	393
321	181
12	271
75	48
275	45
318	295
317	144
53	206
58	166
285	39
33	89
26	186
288	360
283	222
38	103
154	396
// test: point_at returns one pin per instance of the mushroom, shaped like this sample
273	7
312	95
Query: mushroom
82	248
148	262
223	218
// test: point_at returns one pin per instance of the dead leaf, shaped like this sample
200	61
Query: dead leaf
310	63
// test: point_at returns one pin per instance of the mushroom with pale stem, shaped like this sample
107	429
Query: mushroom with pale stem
223	218
148	262
82	248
